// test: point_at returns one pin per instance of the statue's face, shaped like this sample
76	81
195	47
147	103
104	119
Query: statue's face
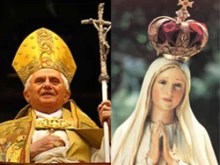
46	91
168	89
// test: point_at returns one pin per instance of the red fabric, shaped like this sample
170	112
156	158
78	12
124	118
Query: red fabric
197	30
169	32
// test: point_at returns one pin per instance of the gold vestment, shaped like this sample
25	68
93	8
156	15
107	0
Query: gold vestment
16	135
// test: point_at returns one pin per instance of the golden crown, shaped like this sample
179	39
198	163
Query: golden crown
176	38
43	49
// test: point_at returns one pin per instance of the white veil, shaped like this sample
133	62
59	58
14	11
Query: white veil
127	137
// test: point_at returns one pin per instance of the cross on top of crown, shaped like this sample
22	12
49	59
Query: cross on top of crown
185	4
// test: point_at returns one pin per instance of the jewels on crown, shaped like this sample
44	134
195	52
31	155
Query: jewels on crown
176	38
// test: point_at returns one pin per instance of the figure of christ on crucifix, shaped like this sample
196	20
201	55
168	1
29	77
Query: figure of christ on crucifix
103	27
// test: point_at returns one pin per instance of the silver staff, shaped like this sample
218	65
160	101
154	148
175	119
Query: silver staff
102	27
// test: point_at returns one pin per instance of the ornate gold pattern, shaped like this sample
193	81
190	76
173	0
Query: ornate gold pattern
53	123
43	49
13	137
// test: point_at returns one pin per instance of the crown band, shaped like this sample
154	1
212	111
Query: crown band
173	57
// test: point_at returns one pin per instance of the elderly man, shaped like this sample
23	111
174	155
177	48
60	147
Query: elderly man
51	128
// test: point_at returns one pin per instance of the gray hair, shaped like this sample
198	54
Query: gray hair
66	84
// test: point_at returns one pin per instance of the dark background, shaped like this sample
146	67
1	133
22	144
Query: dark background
19	18
132	54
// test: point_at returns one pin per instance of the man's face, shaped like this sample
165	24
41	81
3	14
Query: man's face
46	92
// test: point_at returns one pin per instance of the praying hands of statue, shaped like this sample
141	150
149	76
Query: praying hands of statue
160	144
46	143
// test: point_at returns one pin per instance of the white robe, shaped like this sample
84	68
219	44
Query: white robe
58	154
127	138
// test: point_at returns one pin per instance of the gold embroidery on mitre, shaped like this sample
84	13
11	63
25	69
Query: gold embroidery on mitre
43	49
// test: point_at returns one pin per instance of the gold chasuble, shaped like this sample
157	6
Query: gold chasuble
16	135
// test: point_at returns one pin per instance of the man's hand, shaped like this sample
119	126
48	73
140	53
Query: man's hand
104	110
46	143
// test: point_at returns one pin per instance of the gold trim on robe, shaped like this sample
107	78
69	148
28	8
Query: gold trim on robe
16	135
